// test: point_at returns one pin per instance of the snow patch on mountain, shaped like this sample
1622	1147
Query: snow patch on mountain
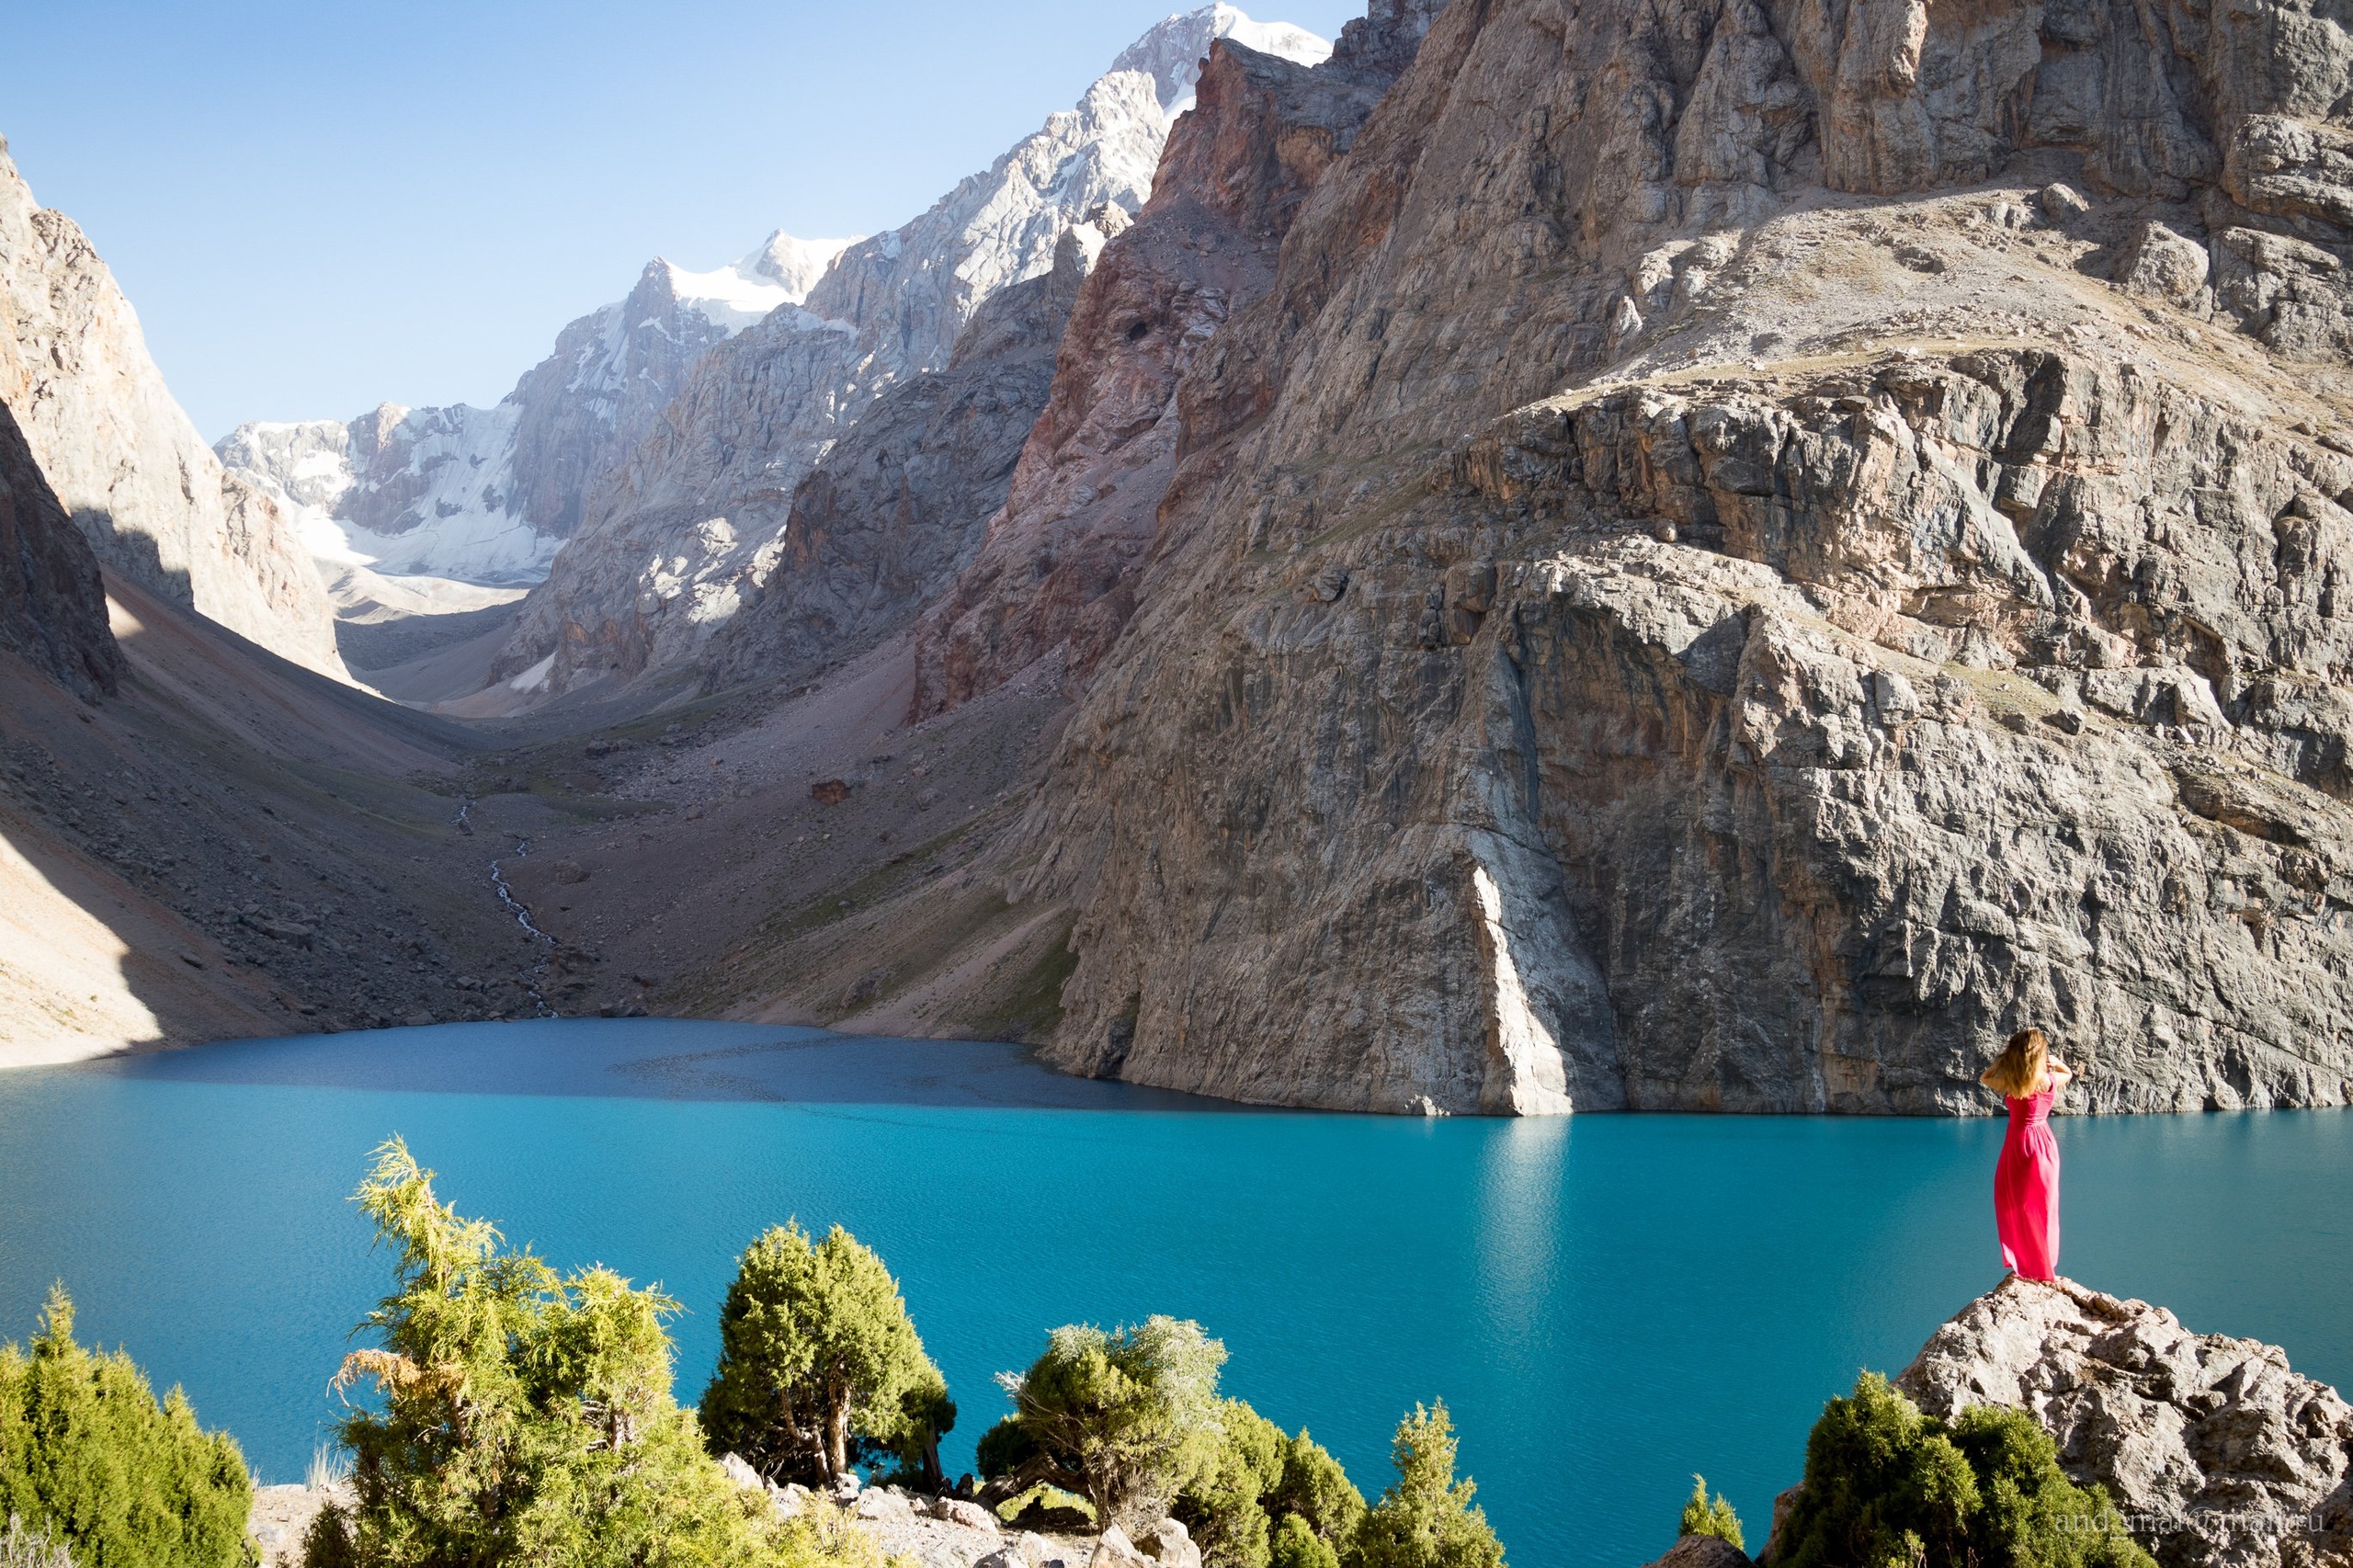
489	494
781	272
447	471
1172	52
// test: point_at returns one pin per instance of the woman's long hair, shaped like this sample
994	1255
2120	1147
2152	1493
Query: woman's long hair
2019	1071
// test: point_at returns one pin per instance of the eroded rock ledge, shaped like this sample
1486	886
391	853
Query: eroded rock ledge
2219	1454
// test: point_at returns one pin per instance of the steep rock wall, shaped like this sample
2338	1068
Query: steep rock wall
121	457
53	606
896	507
1678	599
1057	571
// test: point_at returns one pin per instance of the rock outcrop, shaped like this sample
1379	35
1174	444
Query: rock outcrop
489	494
679	539
1058	569
1732	567
2217	1452
122	458
53	606
896	507
1701	1551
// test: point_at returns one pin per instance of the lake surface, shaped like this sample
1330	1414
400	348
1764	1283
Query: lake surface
1607	1303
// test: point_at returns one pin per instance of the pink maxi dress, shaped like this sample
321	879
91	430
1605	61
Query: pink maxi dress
2026	1189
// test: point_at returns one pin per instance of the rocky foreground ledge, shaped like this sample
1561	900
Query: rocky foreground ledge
2216	1451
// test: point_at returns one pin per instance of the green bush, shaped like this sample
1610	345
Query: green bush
1887	1484
1249	1508
1703	1517
91	1461
1296	1545
819	1364
527	1417
1126	1419
1004	1448
1316	1492
1221	1507
1426	1520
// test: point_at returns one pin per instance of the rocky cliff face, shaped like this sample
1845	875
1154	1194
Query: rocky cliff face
1058	569
2216	1450
894	509
52	607
685	534
489	494
1747	551
121	457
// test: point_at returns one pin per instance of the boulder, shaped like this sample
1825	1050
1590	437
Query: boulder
1029	1549
1114	1549
971	1516
883	1505
2218	1453
1172	1544
2159	264
741	1473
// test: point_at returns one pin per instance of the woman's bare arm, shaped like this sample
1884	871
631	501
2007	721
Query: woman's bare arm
2059	1073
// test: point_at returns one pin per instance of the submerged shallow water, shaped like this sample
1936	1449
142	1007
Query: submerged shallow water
1607	1303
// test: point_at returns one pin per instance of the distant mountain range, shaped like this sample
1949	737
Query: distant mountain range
488	494
643	480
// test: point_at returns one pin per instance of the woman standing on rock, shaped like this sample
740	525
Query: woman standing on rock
2026	1182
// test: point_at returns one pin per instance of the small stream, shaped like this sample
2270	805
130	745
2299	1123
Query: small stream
521	911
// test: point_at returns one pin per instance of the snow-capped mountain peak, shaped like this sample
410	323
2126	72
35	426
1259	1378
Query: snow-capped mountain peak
1171	53
781	272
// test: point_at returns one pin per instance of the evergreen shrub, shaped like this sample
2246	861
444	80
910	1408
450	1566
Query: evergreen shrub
1885	1484
92	1463
1701	1517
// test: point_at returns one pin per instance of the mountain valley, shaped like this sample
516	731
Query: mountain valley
1527	559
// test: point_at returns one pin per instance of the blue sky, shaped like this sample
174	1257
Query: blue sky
318	206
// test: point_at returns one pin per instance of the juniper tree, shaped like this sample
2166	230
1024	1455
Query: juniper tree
526	1415
92	1463
1426	1520
819	1360
1126	1419
1701	1517
1268	1498
1884	1482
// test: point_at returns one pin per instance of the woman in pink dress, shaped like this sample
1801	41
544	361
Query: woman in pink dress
2026	1182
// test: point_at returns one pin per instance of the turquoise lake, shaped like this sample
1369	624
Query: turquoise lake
1606	1304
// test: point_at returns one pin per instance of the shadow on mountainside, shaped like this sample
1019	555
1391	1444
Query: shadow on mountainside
232	845
664	1059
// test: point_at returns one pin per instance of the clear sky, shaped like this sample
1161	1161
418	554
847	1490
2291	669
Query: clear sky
319	205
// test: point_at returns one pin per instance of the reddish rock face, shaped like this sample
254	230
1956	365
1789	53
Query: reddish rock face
52	609
1635	623
1058	569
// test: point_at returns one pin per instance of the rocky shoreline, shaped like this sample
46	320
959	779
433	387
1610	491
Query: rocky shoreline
936	1532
